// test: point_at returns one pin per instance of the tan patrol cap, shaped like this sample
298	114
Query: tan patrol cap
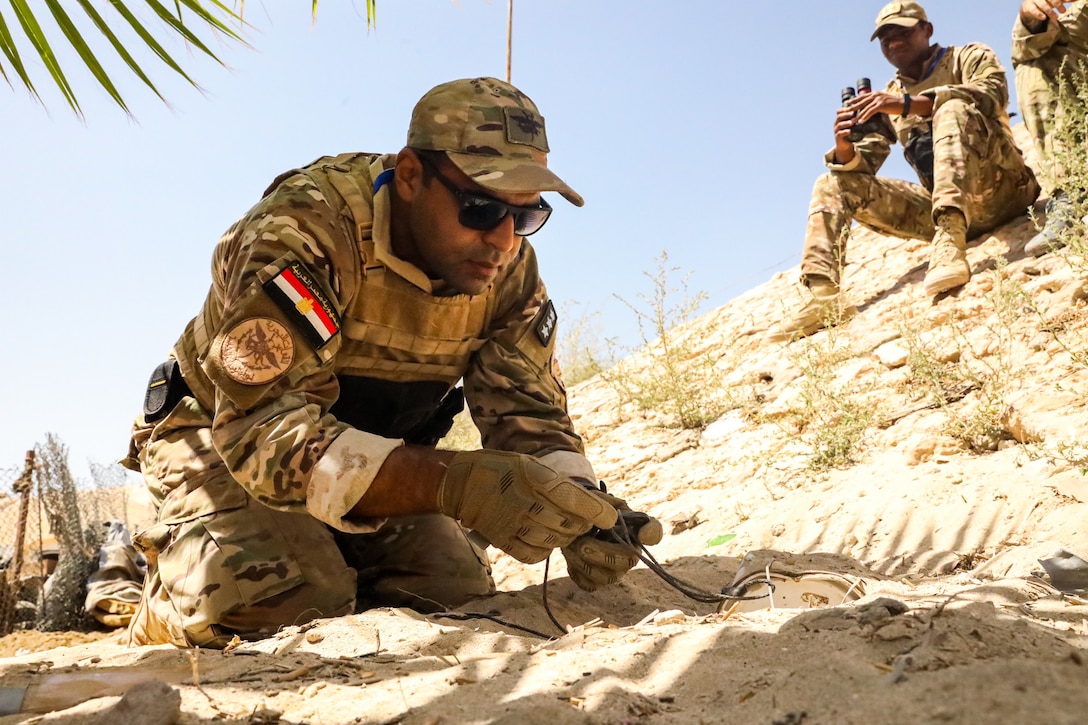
907	14
492	132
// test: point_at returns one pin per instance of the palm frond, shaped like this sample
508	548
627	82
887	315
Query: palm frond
7	46
202	16
120	49
89	59
149	40
33	31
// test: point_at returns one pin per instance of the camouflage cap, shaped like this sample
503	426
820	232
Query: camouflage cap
492	132
907	14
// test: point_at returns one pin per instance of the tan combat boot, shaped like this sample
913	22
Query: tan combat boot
824	310
948	267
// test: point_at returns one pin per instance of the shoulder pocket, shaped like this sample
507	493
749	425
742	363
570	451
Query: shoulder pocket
538	340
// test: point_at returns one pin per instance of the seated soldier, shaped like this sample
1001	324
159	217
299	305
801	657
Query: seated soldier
1049	48
947	107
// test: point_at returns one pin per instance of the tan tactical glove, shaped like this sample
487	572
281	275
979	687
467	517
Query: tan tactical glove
520	505
594	560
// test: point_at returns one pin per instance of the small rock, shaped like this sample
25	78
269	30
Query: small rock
1031	418
919	449
880	609
721	429
896	630
683	522
312	689
149	703
892	355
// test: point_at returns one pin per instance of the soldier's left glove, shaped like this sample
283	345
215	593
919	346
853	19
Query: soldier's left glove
597	559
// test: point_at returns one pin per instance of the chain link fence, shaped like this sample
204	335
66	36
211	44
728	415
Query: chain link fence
45	514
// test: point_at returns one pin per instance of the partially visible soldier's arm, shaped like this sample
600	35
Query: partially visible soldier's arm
870	153
388	495
1035	14
513	386
982	82
271	421
1035	33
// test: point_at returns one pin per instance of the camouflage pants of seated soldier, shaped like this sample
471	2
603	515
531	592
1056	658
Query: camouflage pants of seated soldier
220	563
975	170
1040	73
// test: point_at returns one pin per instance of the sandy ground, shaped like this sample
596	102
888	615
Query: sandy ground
959	651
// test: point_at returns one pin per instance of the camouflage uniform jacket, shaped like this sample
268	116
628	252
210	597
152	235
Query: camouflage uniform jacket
971	73
310	316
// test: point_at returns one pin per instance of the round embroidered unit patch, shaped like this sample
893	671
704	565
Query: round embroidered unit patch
257	350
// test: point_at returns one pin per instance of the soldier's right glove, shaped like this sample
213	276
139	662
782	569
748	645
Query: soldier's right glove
520	505
602	557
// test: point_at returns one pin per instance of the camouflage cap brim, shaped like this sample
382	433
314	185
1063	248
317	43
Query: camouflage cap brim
512	175
905	22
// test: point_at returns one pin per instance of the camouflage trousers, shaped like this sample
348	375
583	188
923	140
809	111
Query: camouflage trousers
222	564
1039	83
976	170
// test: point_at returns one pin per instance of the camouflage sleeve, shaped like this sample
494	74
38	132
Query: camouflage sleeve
982	81
271	360
1028	46
872	152
513	385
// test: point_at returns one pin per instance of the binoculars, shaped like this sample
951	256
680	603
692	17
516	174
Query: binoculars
876	124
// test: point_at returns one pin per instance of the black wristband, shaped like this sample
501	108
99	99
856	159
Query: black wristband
906	105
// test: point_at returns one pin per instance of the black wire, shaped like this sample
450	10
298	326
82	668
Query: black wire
728	594
630	539
544	596
622	534
492	617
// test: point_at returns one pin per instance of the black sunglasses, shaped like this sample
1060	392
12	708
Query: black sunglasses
484	213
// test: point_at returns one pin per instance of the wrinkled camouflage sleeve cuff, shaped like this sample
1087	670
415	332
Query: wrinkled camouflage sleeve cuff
572	465
981	98
852	165
1028	46
343	474
940	95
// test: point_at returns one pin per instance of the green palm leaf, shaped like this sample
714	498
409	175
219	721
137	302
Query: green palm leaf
210	15
76	39
183	30
149	39
200	16
7	46
100	23
37	39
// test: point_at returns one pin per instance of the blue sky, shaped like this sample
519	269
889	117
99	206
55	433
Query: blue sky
695	126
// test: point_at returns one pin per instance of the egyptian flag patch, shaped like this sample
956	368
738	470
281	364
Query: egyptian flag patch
299	295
